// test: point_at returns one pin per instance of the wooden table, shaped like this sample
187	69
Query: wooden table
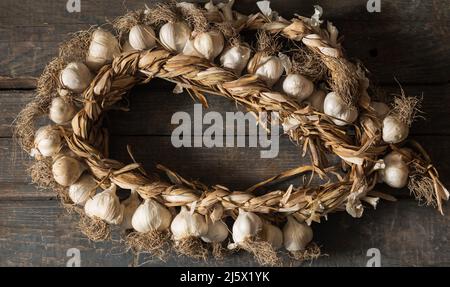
408	40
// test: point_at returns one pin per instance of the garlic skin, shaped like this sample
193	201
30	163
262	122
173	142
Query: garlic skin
151	216
82	189
296	235
103	48
142	37
235	58
129	207
273	235
67	170
335	107
246	226
394	130
47	140
173	36
187	224
209	44
298	87
316	100
217	232
106	206
269	68
380	108
61	111
76	77
396	171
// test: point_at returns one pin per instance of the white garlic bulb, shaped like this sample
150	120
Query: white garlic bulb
380	108
129	207
190	50
103	48
235	58
61	111
298	87
142	37
76	77
47	140
268	68
82	189
246	226
173	36
395	172
217	232
188	224
151	216
209	44
316	100
335	107
394	130
105	206
273	235
67	170
296	235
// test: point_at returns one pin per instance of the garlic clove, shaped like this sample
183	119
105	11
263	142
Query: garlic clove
61	111
268	68
273	235
394	130
102	49
67	170
129	207
47	140
142	37
82	189
246	226
335	107
296	235
151	216
75	77
105	206
190	50
209	44
298	87
235	58
217	232
188	224
173	36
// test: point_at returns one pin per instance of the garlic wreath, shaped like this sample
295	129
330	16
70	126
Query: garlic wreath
151	216
297	235
47	140
82	189
102	49
188	224
142	37
105	206
341	113
75	77
174	35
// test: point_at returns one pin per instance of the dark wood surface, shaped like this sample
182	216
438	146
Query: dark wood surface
408	40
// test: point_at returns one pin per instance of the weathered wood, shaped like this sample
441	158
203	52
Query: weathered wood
38	233
396	42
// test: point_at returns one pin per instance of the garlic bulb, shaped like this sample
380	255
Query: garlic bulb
296	235
103	48
235	58
380	108
142	37
394	130
395	172
268	68
209	44
82	189
106	206
61	111
76	77
335	107
316	100
246	226
173	36
273	235
47	140
151	216
297	86
188	224
190	50
217	232
129	207
67	170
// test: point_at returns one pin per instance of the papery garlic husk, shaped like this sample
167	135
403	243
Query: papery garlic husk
394	130
273	235
151	216
82	189
296	235
142	37
129	207
75	77
47	140
217	232
235	58
67	170
246	227
380	108
316	100
268	68
105	206
335	107
103	48
173	36
298	86
188	224
396	171
209	44
61	111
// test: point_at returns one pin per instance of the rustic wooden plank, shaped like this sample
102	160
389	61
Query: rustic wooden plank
38	233
385	42
152	107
